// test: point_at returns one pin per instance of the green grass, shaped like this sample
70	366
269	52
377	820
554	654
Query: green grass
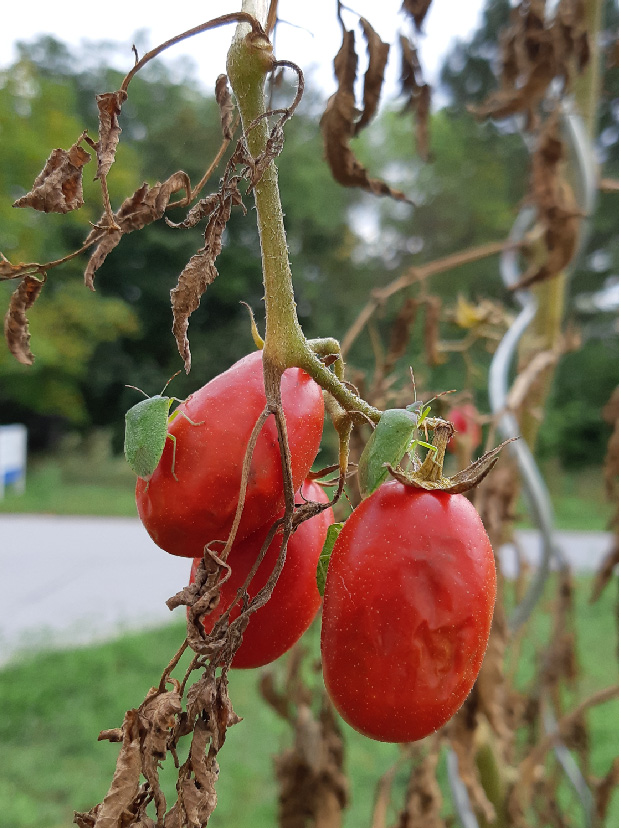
54	704
93	483
578	499
51	488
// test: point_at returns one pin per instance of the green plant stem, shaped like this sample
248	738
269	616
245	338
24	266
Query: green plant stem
249	61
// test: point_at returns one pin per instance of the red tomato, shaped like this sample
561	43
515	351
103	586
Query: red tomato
274	628
407	611
183	515
467	428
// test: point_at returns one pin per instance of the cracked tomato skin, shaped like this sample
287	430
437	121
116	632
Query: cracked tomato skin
275	627
182	515
407	611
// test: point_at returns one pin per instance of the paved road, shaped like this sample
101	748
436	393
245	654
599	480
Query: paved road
69	581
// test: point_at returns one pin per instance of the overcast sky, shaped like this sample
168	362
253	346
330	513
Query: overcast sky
315	42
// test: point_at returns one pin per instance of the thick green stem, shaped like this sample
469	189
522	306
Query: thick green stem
249	61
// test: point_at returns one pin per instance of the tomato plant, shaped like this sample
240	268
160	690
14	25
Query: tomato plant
467	429
407	612
275	627
185	508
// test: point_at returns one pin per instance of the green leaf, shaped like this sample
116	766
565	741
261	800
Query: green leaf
324	559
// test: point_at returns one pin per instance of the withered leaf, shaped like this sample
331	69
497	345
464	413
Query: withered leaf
417	92
223	98
557	214
432	330
126	780
16	331
109	106
374	76
400	332
158	715
58	187
338	126
535	51
11	271
199	272
146	205
417	9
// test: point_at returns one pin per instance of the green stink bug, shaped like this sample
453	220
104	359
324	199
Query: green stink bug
146	430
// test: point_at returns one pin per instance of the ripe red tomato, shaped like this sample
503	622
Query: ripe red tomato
274	628
183	514
467	428
407	611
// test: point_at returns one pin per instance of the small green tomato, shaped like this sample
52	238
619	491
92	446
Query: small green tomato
394	436
146	431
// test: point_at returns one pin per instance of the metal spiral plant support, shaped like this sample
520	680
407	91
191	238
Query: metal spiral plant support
534	486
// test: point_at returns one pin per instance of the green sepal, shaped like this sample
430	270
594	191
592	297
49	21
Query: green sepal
334	530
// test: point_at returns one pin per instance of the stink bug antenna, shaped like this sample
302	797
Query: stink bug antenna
441	394
169	381
135	387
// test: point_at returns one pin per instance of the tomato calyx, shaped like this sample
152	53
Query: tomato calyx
429	475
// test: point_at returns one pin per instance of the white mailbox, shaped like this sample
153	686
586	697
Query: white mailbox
13	440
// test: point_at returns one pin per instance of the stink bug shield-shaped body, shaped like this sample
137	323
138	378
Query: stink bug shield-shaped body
394	435
146	430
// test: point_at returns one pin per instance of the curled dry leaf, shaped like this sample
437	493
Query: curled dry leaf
158	715
417	94
557	214
11	271
109	106
338	127
423	805
464	735
374	76
536	50
146	205
16	331
433	310
417	9
125	784
58	187
400	333
223	98
201	271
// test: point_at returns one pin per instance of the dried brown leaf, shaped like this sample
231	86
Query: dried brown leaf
463	730
58	187
125	782
423	807
374	76
338	127
557	213
417	94
223	98
604	788
11	271
109	106
144	206
417	9
199	272
535	51
400	333
433	308
16	331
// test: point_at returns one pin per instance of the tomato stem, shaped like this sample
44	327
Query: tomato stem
249	61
